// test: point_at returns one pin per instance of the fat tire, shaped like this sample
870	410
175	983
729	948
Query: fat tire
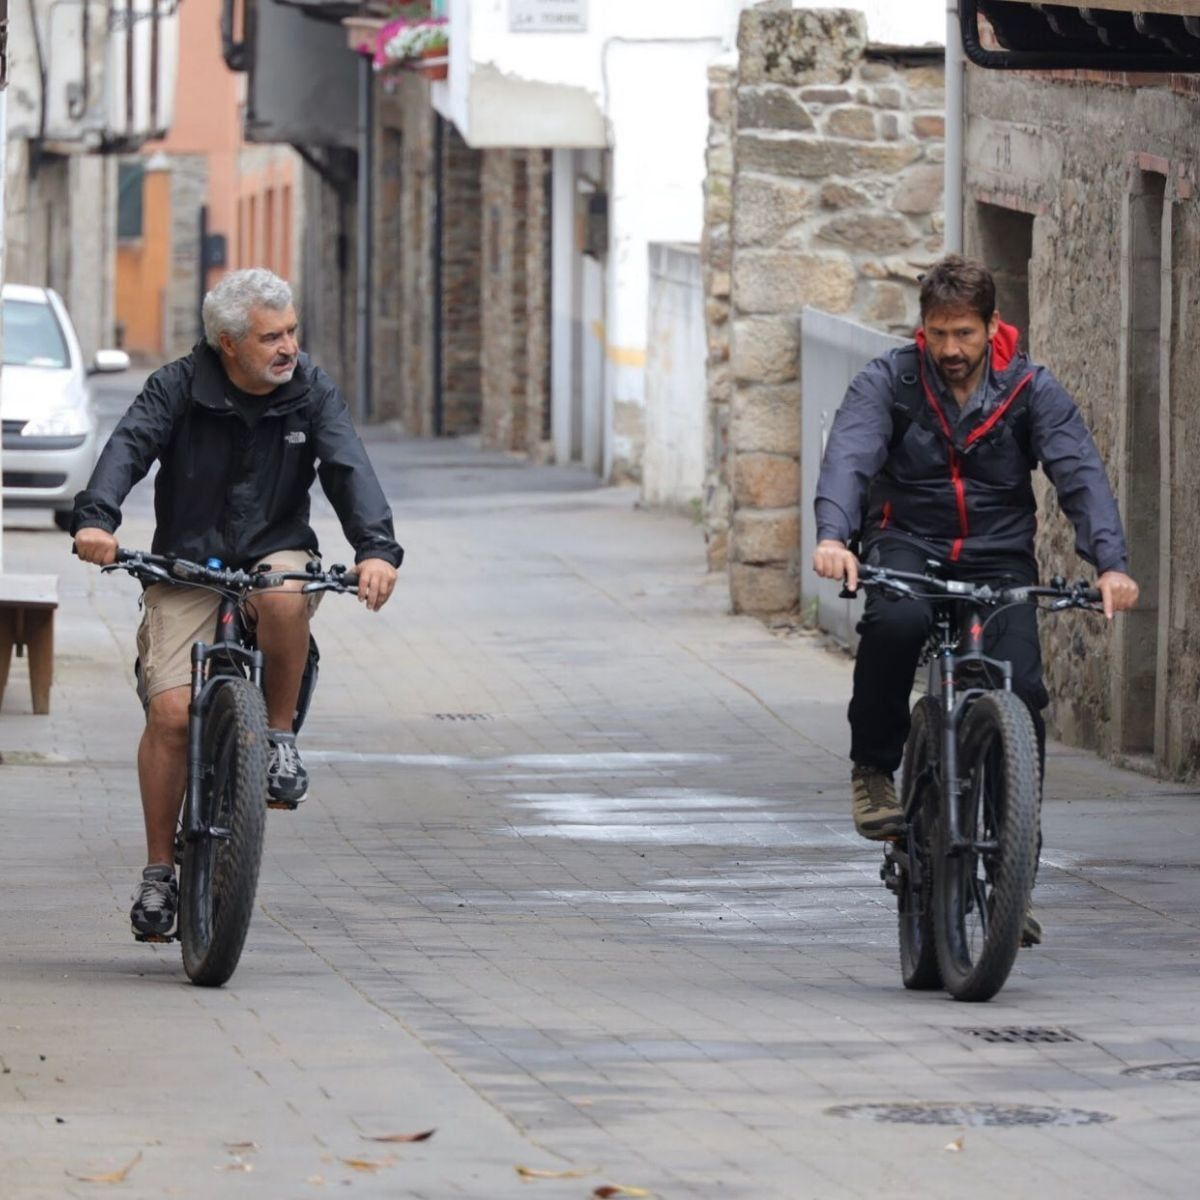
219	877
919	797
997	738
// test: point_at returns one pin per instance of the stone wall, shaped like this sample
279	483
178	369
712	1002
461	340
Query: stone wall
181	301
837	175
716	260
515	298
1075	163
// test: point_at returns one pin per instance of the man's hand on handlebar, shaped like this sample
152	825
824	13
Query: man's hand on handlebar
831	560
376	579
1120	593
94	545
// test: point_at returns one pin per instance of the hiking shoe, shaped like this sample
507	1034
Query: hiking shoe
287	780
877	814
155	901
1031	931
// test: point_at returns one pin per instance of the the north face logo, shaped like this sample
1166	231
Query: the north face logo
296	438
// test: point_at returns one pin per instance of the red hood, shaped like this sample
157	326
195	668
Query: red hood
1004	344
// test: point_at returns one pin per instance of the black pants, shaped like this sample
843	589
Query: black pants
893	631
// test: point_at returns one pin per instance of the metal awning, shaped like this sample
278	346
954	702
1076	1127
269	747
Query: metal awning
1142	36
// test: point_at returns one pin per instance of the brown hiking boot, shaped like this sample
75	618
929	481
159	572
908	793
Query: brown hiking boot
877	813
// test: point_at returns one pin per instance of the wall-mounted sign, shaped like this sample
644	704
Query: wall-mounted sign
547	16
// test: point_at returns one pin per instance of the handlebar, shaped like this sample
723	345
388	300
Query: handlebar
166	568
929	587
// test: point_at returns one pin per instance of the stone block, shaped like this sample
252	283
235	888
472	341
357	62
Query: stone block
924	78
765	537
889	126
765	480
801	46
842	195
876	233
765	209
888	97
785	281
765	350
852	122
887	304
929	125
875	72
766	419
720	104
807	157
762	590
720	284
720	159
920	190
716	312
770	106
826	95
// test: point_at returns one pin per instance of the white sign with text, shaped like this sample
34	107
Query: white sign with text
548	16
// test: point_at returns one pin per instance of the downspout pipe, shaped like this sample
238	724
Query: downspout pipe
1063	60
952	237
366	229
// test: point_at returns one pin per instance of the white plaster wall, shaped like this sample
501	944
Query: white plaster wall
676	390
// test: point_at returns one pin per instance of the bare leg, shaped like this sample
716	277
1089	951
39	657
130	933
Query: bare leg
283	639
162	771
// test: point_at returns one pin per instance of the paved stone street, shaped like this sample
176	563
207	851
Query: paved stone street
576	887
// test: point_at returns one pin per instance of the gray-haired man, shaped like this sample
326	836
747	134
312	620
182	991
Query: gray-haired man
240	428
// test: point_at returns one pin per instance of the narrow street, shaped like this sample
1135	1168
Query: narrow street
576	887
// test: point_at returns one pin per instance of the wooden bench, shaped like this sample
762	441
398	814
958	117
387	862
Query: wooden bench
27	604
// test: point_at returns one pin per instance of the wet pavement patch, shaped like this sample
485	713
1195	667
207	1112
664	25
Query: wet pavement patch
1186	1072
1020	1034
941	1112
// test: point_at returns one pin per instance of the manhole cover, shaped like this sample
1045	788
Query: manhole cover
462	716
1029	1034
1186	1071
935	1112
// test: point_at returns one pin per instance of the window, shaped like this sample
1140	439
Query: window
130	176
32	337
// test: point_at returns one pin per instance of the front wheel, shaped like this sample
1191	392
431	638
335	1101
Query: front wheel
219	876
919	797
982	887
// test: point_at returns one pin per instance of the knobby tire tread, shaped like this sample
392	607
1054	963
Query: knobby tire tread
918	948
212	941
983	976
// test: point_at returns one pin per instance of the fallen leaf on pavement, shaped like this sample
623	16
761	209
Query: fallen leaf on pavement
955	1146
236	1165
316	1180
369	1164
424	1136
618	1189
538	1173
241	1147
113	1176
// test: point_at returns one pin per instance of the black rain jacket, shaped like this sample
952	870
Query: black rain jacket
227	491
960	482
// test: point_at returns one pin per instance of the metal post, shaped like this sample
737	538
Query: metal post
439	221
955	106
366	227
202	259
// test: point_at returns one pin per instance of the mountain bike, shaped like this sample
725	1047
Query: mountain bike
218	846
963	869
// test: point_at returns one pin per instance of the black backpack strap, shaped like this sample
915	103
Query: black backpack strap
907	398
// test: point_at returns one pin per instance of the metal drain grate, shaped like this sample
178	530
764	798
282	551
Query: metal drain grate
1188	1072
936	1112
1021	1034
463	717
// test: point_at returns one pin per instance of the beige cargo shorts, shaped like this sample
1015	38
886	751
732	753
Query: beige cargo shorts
175	617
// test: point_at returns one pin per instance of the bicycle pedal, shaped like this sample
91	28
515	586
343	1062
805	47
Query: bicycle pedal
286	805
155	938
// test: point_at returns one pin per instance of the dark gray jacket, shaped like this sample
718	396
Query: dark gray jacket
226	490
960	482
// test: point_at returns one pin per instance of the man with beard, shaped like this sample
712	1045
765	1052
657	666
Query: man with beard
930	457
240	428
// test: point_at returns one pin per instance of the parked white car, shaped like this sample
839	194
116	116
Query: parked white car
49	424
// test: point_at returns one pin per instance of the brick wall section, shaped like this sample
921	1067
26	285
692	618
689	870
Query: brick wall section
836	201
462	231
716	258
515	339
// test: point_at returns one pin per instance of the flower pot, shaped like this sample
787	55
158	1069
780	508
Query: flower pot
433	63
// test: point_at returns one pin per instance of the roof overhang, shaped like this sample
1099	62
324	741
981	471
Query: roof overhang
1141	36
